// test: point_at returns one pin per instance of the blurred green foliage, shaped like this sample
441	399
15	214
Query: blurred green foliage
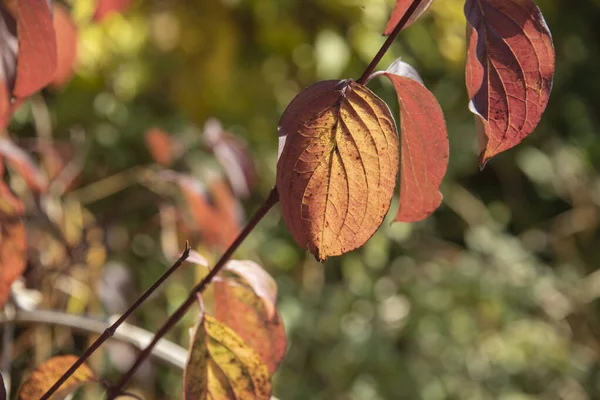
493	297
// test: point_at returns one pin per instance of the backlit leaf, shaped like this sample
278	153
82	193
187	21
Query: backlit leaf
399	11
221	366
242	310
23	165
510	65
13	244
66	45
49	372
424	147
337	167
258	280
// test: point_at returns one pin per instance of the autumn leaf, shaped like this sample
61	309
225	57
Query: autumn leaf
238	307
66	45
49	372
424	144
28	52
22	164
510	65
259	280
162	146
337	167
104	8
221	366
233	155
400	9
13	243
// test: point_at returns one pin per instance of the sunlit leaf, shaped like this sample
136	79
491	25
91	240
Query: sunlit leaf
258	279
337	167
66	45
510	65
424	145
399	11
221	366
104	8
46	374
241	309
22	164
13	244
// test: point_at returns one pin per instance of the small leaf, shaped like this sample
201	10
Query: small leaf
399	11
259	280
13	244
337	167
424	154
510	65
23	165
162	146
106	7
66	45
49	372
233	155
221	366
242	310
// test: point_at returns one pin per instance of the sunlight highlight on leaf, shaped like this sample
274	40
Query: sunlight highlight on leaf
337	167
399	11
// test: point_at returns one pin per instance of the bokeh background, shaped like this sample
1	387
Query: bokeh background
492	297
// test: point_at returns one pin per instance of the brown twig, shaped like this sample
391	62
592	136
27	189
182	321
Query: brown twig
386	45
111	330
192	297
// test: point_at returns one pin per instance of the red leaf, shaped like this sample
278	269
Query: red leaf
243	311
23	165
106	7
12	241
510	64
424	149
399	11
36	58
259	280
66	45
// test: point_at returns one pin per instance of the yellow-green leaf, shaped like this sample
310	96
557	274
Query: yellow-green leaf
222	366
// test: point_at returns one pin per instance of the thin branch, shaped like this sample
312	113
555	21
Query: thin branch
386	45
166	351
192	297
111	330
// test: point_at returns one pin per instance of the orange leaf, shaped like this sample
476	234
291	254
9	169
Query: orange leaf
66	45
242	310
162	146
399	11
106	7
23	165
424	154
259	280
49	372
510	65
337	167
13	244
221	366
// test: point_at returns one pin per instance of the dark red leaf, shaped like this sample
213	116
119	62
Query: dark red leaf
510	65
424	149
399	11
242	310
106	7
23	165
66	45
12	241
